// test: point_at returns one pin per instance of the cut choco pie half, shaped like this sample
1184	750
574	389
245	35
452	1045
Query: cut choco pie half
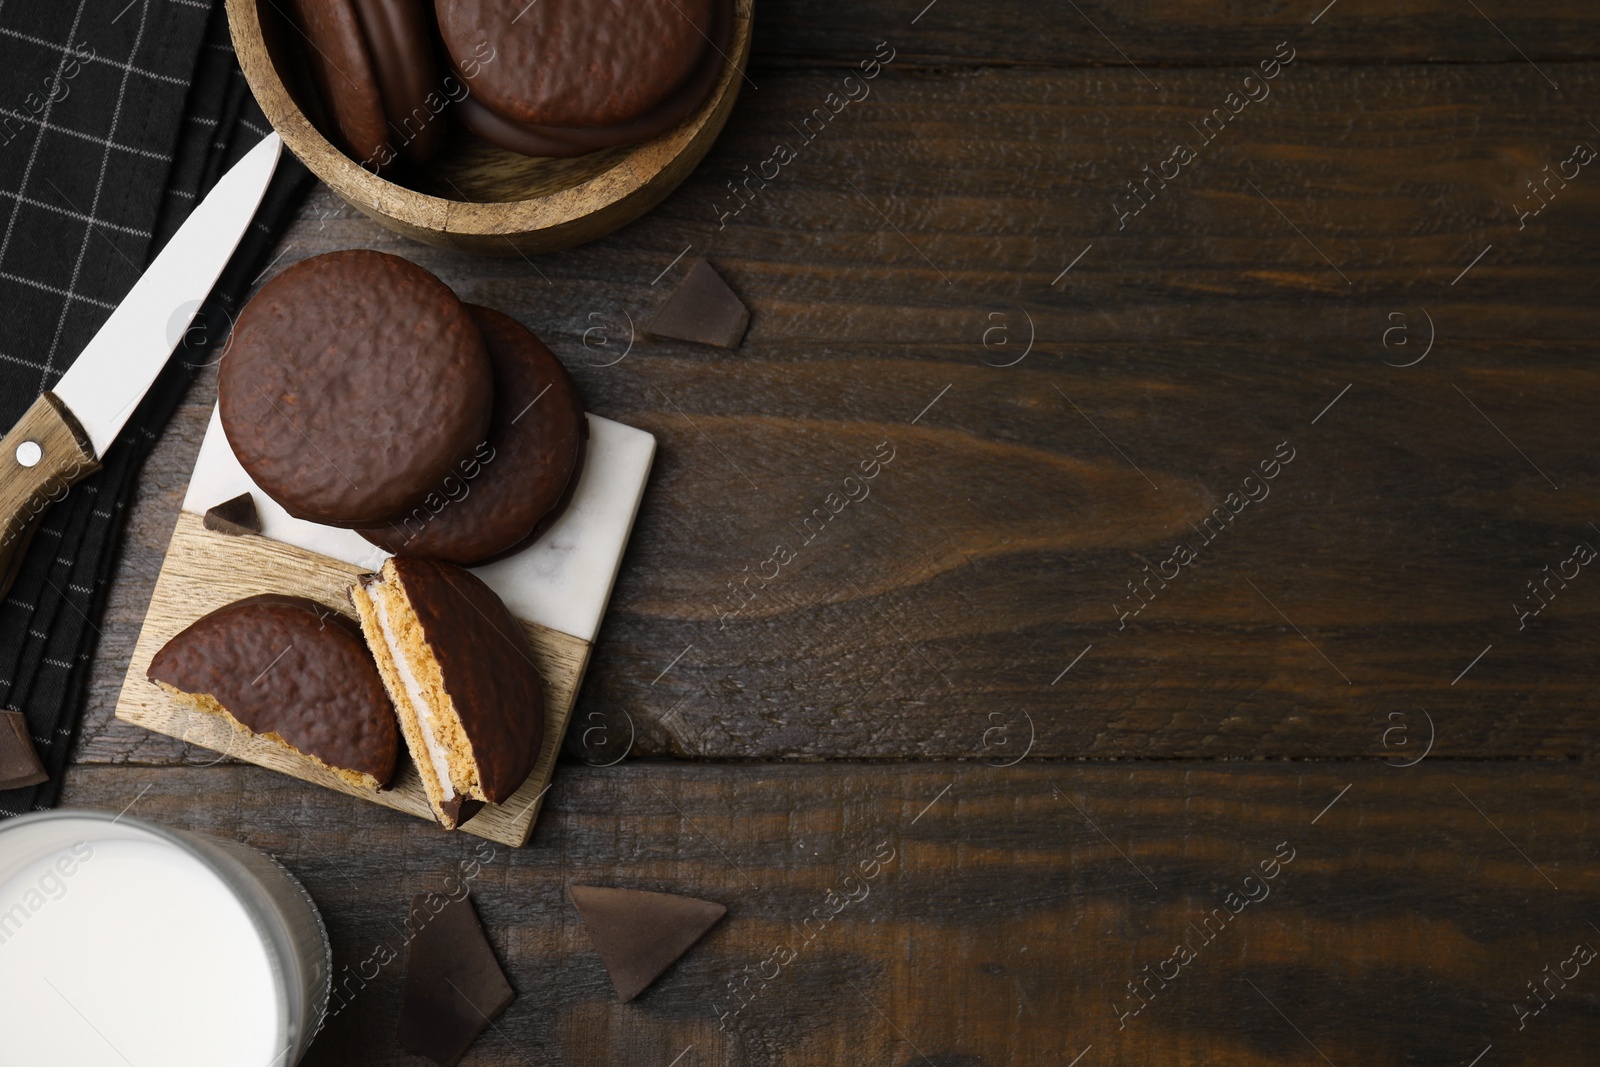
526	475
292	671
372	62
459	670
574	76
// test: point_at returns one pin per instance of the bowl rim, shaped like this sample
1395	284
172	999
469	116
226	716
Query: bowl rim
631	173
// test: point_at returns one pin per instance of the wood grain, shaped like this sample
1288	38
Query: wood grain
205	570
1184	348
1158	34
41	458
1017	906
939	616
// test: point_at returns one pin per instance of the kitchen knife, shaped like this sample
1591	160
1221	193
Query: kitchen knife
60	440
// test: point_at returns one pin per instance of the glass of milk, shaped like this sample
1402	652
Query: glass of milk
126	943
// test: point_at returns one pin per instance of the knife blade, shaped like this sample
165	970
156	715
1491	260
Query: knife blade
60	440
107	380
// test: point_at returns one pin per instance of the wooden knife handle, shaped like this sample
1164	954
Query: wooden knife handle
44	455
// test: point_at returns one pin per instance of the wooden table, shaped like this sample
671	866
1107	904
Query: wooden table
1070	658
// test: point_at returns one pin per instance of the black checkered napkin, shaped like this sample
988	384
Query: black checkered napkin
116	117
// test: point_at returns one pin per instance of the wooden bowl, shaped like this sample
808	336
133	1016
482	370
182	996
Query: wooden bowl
477	197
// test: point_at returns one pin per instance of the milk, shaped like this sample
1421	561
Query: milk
130	949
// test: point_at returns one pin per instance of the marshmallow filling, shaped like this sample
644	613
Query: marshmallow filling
411	673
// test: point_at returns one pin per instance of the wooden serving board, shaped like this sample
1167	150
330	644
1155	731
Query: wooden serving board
558	588
205	570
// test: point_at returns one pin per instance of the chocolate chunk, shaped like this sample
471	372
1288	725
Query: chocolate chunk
460	808
703	310
237	516
19	763
454	986
640	934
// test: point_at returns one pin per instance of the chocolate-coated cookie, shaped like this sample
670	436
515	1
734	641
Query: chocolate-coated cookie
373	63
564	142
576	63
560	509
399	38
494	502
461	674
354	382
341	67
292	670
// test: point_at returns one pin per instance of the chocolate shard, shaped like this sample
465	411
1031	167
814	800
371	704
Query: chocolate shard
640	934
703	310
459	809
19	763
237	516
454	986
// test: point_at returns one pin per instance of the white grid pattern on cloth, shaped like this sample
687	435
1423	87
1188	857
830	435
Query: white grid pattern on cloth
101	153
144	10
108	143
70	50
33	154
71	214
77	594
19	361
68	131
65	294
99	187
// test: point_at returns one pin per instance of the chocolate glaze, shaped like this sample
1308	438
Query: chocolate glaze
556	512
399	42
341	66
293	667
575	62
480	114
374	68
354	382
487	668
458	809
538	432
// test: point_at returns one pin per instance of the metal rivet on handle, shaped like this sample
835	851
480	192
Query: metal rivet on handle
29	453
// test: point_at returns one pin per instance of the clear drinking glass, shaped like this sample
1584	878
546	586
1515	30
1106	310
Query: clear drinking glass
122	941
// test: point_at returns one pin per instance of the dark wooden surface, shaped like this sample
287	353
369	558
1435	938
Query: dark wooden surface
1360	615
1015	906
